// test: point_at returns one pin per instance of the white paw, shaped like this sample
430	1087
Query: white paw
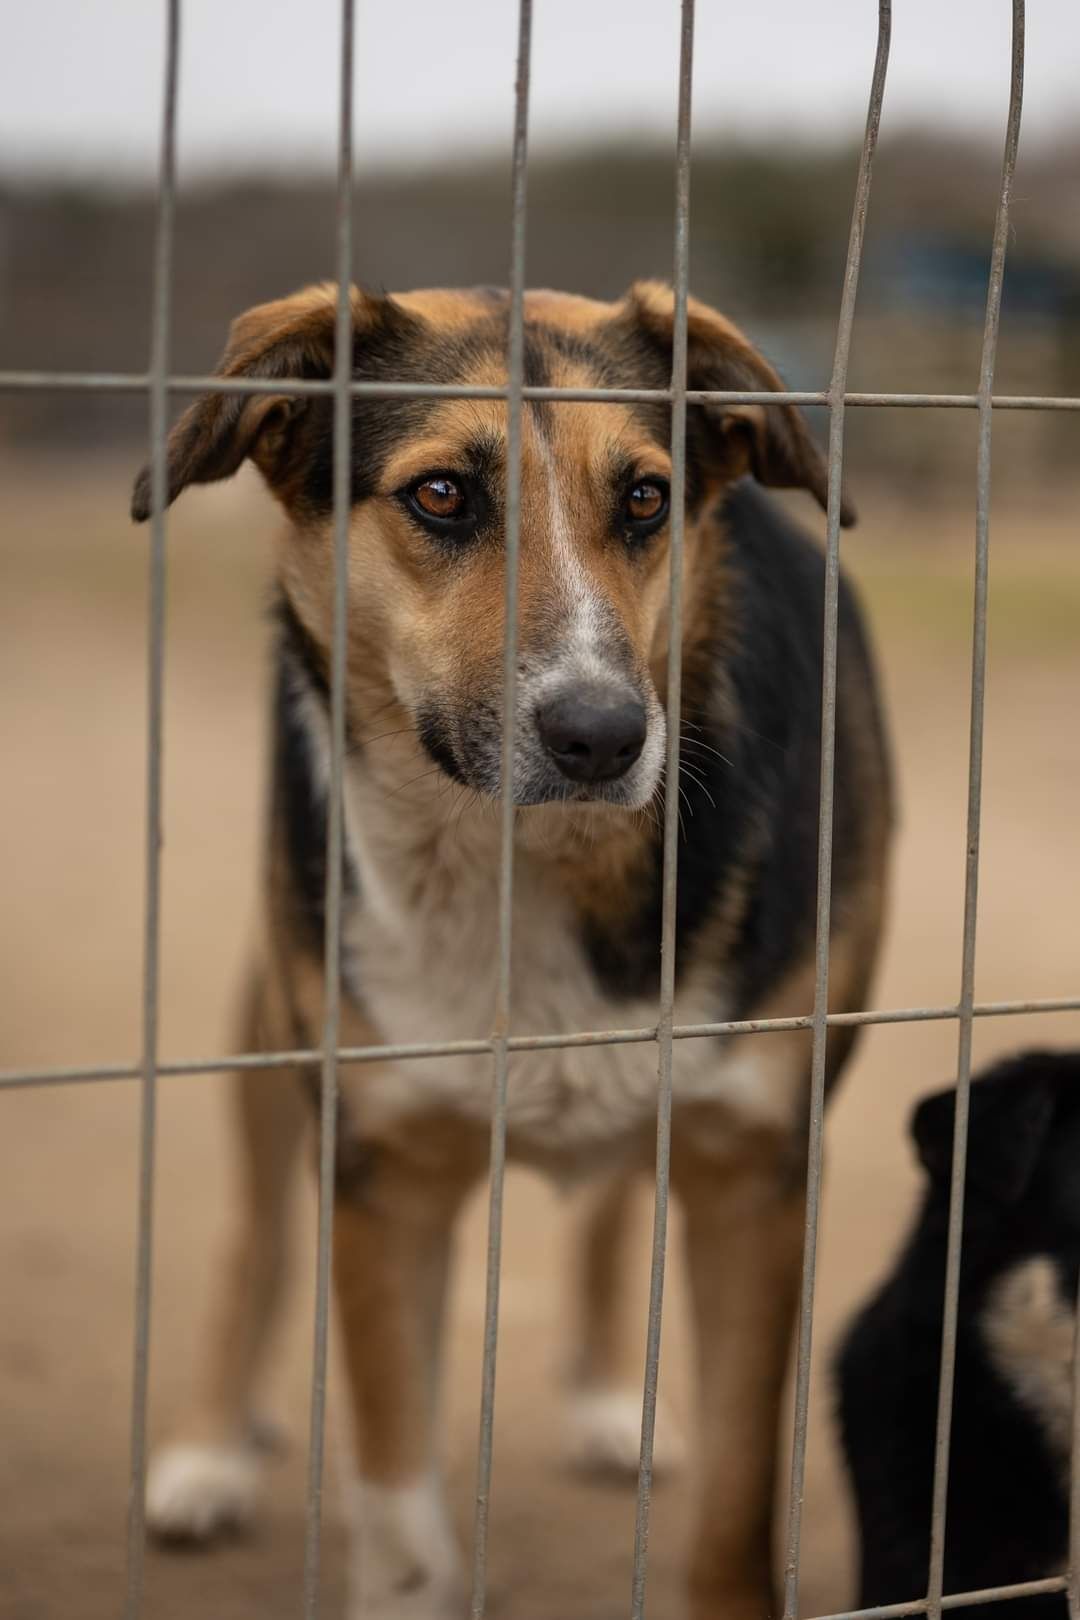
193	1491
605	1433
404	1562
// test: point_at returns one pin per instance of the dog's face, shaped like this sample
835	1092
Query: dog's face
1023	1156
428	515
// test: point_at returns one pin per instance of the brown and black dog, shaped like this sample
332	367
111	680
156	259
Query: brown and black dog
424	676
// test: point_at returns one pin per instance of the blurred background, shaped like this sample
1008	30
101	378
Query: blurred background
780	91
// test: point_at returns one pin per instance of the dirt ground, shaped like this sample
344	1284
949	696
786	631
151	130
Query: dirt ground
72	650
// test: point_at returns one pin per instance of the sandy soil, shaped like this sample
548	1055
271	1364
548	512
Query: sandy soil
72	648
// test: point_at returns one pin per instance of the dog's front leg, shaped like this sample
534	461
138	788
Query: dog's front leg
392	1234
744	1226
604	1407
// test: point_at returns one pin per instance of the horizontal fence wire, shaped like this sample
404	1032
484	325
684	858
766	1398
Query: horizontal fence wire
500	1036
335	834
953	1600
159	384
816	1123
135	382
17	1079
971	863
155	704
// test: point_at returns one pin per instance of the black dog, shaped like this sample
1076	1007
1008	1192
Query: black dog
1007	1513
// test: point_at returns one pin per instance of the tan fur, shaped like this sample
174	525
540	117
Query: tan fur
606	1353
777	433
569	311
744	1224
391	1250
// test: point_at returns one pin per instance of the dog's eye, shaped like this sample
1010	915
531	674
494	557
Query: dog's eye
439	497
646	505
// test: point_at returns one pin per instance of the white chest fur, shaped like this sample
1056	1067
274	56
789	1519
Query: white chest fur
1029	1324
422	959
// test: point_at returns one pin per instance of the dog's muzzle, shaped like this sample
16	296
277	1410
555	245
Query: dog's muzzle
595	733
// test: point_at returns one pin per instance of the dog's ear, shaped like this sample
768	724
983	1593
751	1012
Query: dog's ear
1012	1107
292	337
770	441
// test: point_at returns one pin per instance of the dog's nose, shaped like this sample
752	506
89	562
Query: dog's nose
593	735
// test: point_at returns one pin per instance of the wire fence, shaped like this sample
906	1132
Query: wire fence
160	385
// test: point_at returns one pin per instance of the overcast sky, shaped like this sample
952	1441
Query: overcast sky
80	79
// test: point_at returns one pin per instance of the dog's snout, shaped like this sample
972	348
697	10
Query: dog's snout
593	735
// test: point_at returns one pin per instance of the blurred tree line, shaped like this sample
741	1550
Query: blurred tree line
769	227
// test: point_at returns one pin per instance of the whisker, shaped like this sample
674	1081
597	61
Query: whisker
468	797
696	742
701	785
399	731
728	724
435	769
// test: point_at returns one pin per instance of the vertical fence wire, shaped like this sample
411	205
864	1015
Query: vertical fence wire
159	420
328	1095
503	990
666	1020
974	813
819	1026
